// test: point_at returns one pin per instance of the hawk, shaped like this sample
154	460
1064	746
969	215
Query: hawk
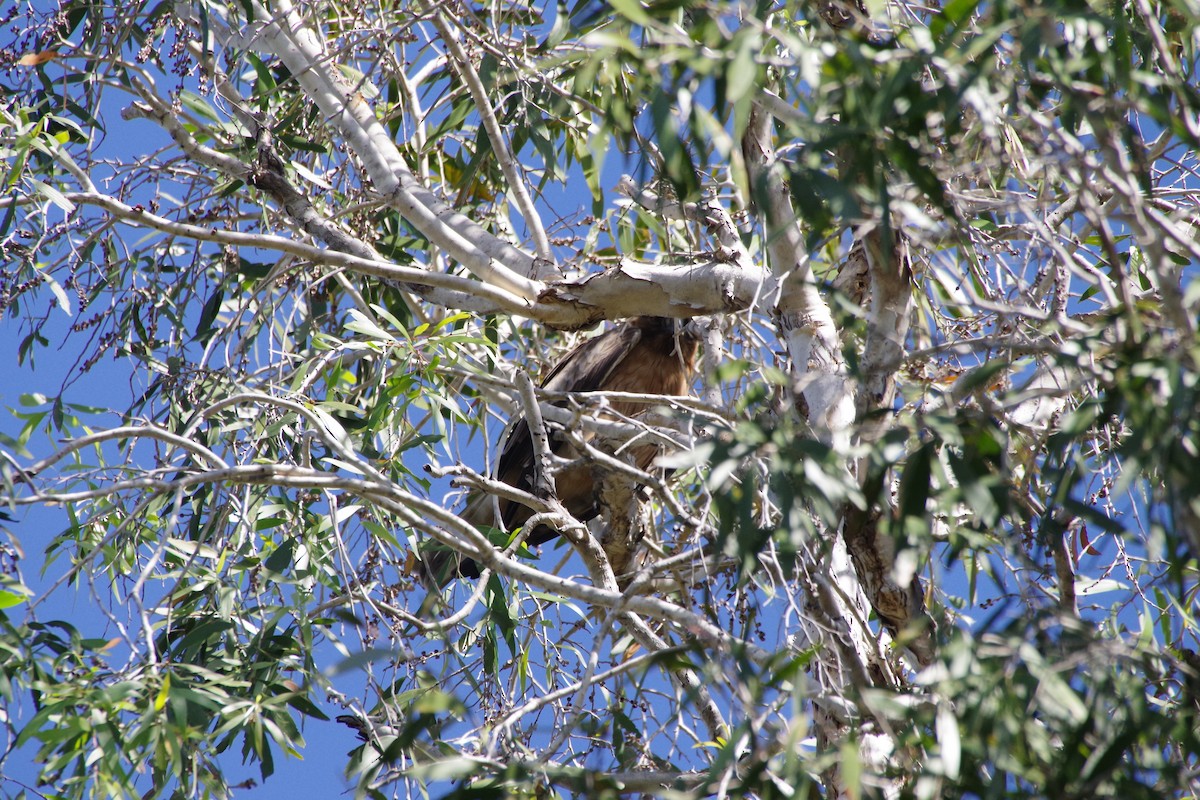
644	355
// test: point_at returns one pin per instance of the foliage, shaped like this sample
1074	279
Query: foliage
931	524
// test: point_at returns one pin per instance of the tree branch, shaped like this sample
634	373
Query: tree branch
500	144
804	319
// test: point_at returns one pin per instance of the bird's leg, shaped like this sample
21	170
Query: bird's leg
619	505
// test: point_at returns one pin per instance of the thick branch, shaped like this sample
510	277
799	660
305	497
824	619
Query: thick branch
633	289
805	321
894	593
640	289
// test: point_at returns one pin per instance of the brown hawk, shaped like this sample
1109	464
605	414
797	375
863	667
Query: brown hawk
644	355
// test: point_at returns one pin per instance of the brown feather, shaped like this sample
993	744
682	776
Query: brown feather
642	356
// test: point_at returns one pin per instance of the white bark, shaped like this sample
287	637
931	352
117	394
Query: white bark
805	322
850	657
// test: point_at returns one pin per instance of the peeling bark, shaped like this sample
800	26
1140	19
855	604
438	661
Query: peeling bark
895	593
637	289
804	320
850	657
623	530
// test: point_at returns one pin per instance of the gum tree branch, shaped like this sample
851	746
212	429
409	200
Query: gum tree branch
500	145
894	592
804	319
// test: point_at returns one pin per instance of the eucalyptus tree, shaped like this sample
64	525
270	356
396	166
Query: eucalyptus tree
927	525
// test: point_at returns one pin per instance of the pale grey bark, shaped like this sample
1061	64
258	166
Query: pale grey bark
890	583
850	657
803	317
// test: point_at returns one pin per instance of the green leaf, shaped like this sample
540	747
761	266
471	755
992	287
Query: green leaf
361	323
915	483
633	11
281	558
10	598
198	106
53	195
205	325
951	16
742	74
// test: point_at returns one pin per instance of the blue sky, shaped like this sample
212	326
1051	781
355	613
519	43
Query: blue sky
111	383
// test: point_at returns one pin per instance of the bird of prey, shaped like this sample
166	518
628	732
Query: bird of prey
644	355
